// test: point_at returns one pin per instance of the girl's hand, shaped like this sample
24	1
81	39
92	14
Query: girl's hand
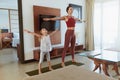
27	31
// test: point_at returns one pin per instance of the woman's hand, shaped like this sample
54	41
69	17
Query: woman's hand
46	19
77	19
84	21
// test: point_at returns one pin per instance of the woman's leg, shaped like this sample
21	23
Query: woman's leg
66	45
40	61
48	60
73	47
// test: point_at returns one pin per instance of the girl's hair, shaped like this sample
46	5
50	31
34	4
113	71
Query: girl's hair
41	30
68	8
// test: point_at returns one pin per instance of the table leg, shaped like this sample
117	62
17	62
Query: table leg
97	65
115	67
105	68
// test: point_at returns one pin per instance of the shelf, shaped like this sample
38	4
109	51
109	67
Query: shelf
57	52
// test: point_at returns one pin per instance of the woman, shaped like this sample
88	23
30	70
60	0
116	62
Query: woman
69	36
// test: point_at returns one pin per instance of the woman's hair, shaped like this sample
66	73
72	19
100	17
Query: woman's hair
68	8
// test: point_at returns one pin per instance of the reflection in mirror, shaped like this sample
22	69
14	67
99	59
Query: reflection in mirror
9	28
9	31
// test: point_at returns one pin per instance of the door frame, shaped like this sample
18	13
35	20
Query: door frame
21	45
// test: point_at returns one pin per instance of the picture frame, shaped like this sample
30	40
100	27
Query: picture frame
77	11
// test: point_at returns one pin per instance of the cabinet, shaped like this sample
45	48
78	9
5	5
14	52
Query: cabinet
57	52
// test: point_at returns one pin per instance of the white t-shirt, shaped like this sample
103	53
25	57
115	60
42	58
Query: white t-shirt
45	44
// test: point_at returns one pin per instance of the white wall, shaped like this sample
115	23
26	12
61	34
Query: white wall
28	22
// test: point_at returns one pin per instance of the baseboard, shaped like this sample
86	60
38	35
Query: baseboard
28	61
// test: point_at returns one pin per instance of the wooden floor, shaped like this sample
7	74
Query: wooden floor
11	69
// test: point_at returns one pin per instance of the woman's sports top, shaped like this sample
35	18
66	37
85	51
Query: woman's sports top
70	22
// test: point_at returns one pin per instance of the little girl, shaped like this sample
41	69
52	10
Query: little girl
45	46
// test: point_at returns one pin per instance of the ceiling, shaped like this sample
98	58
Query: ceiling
8	1
8	4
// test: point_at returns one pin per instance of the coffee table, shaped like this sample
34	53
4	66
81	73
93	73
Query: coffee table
103	58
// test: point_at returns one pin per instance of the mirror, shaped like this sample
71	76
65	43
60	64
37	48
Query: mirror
11	28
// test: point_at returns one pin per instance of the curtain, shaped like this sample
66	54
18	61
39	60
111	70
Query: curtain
118	35
89	35
0	40
107	25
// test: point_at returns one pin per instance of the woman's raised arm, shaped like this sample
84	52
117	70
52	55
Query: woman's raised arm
77	19
55	18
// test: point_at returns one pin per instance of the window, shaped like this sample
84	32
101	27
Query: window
4	19
14	21
106	23
9	20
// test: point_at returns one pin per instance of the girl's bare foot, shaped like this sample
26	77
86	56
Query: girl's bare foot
40	72
39	68
50	69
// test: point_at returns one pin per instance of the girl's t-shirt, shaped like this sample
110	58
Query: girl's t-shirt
45	44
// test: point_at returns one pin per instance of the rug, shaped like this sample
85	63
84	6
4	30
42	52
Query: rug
71	72
56	66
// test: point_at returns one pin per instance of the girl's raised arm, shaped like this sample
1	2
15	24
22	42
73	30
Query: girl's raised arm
53	32
35	34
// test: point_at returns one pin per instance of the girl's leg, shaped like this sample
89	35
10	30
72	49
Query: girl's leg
48	60
66	45
40	61
39	68
49	65
73	47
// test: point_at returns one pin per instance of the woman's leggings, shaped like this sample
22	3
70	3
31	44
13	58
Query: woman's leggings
69	38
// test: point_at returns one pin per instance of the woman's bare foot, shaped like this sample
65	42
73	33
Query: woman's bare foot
113	68
74	61
62	64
